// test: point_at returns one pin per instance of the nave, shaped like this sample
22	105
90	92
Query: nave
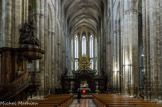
53	47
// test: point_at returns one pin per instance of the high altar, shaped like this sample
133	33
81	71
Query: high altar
84	77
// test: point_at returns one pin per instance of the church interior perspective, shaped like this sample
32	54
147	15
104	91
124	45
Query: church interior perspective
81	53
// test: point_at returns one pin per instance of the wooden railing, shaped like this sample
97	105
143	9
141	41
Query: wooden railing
15	87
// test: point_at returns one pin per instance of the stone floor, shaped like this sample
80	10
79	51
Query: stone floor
83	103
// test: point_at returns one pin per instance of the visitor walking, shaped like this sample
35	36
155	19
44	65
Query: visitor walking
79	96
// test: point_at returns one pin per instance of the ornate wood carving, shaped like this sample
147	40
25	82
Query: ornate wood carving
27	36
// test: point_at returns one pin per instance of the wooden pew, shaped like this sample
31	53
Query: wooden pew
60	100
113	100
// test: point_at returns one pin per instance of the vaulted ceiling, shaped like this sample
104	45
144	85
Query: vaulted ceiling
81	13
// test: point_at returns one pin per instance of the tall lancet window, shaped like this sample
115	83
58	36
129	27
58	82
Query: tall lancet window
76	64
91	51
76	52
76	46
91	46
91	61
84	45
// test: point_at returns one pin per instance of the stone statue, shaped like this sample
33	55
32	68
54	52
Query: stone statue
27	36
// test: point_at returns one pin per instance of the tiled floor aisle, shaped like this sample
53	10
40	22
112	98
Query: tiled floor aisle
83	103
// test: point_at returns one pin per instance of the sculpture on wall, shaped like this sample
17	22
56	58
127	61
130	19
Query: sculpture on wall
27	36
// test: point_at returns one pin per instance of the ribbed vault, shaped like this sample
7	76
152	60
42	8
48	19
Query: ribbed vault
81	13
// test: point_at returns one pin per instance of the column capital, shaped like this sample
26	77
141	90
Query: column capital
115	31
134	11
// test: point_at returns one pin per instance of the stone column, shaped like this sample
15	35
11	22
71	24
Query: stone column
6	22
53	60
134	51
61	48
46	37
53	23
1	23
55	48
41	36
154	47
130	40
0	33
151	40
104	50
57	53
114	61
117	60
16	22
49	57
108	53
37	15
160	85
24	10
146	45
99	52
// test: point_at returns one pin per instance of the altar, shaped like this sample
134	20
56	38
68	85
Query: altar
84	77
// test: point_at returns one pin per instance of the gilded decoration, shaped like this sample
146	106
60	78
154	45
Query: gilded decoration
84	63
